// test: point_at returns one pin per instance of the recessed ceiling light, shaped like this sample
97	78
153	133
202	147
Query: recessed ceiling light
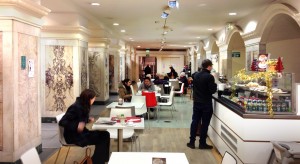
210	29
123	30
202	5
116	24
198	37
138	46
95	4
232	14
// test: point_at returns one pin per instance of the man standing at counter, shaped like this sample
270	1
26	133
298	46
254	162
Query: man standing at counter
203	87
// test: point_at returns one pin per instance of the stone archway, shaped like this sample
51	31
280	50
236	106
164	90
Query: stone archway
236	47
281	37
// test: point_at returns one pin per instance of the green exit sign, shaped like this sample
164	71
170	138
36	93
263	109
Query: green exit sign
236	54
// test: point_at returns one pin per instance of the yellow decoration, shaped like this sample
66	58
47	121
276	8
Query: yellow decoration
267	76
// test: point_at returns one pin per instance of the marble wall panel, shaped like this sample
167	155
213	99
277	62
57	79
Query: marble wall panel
84	64
27	89
111	72
1	94
59	92
94	72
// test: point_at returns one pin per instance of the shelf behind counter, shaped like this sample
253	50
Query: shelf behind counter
241	111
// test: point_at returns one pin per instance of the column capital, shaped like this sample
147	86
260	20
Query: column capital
99	42
28	11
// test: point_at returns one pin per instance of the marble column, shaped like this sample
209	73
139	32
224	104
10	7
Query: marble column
98	68
20	108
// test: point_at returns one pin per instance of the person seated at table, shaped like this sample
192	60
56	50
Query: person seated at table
159	79
125	90
75	131
147	85
184	81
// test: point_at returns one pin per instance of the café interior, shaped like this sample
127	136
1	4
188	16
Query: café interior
52	50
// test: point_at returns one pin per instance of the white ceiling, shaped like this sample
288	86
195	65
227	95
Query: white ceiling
142	22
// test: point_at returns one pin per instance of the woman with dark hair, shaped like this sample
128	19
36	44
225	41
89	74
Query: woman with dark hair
125	90
172	74
75	132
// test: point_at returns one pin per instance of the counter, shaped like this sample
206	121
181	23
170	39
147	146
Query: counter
247	136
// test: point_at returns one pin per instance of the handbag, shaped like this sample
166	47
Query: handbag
87	159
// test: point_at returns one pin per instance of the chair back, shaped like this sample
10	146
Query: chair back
182	88
280	151
228	159
61	129
118	111
31	156
132	90
138	83
126	107
150	99
175	83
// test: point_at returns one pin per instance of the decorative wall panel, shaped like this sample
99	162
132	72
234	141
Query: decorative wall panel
94	72
84	64
59	78
111	72
27	89
1	94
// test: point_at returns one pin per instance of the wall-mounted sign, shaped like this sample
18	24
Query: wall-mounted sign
23	62
236	54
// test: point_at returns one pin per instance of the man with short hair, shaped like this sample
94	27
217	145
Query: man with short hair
203	87
147	85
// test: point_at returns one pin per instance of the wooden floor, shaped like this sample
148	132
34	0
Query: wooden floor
155	139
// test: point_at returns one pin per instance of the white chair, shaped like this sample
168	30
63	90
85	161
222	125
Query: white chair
139	99
62	138
127	133
228	159
175	84
282	153
31	156
169	103
132	90
181	92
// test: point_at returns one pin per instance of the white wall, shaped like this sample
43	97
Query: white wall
289	50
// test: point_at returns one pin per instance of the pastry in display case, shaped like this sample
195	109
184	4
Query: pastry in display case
254	97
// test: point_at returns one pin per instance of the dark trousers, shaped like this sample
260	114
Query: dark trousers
101	140
201	112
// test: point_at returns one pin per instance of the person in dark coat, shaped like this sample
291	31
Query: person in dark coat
203	87
147	70
75	132
172	74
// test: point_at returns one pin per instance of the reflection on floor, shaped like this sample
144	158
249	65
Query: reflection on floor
165	135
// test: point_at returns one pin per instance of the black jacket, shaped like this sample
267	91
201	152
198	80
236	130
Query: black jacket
204	86
70	121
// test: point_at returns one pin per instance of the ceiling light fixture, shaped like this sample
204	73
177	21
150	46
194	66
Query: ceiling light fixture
116	24
210	29
232	14
123	30
95	4
164	15
173	4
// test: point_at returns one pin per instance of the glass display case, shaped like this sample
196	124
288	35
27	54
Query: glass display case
253	95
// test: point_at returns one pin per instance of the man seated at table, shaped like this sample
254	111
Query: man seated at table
147	85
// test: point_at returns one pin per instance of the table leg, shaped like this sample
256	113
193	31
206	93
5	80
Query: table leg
120	140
